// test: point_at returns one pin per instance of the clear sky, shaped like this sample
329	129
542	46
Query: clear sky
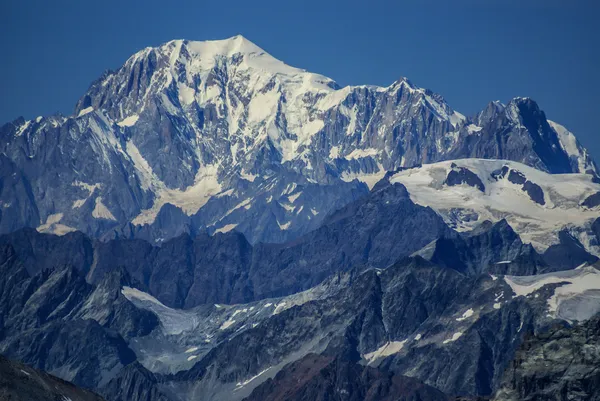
470	51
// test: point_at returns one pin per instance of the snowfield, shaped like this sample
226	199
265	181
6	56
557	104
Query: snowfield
535	223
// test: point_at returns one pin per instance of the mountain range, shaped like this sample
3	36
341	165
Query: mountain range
217	136
213	224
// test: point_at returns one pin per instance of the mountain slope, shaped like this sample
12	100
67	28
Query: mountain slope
317	377
217	136
537	205
19	382
559	364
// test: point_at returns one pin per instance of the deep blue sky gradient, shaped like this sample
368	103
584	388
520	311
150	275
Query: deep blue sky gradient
470	51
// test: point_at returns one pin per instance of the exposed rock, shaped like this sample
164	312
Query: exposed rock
535	192
462	175
19	382
316	377
559	364
592	200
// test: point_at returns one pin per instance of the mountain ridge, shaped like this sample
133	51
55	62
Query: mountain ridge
223	136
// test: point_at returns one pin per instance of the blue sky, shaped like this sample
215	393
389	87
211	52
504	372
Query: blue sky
470	51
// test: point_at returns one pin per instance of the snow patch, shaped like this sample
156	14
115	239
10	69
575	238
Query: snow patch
361	153
455	337
226	228
387	349
85	111
101	211
465	315
129	121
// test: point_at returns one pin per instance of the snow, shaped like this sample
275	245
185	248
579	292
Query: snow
292	198
387	349
53	226
226	228
284	226
280	307
369	179
418	337
456	118
536	224
504	262
571	146
334	152
22	128
361	153
247	176
101	211
192	357
472	128
242	384
173	321
190	200
129	121
190	350
85	111
465	315
186	94
22	371
577	298
226	324
455	337
497	305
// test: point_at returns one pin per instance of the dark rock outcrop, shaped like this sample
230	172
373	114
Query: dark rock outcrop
462	175
557	365
317	377
19	382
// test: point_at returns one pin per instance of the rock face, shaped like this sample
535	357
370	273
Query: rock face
185	272
559	364
193	137
456	330
316	377
19	382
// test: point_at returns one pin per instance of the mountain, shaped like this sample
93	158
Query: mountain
193	137
537	205
412	318
316	377
569	371
19	382
373	232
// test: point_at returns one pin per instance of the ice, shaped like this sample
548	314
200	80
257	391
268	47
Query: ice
173	321
577	298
